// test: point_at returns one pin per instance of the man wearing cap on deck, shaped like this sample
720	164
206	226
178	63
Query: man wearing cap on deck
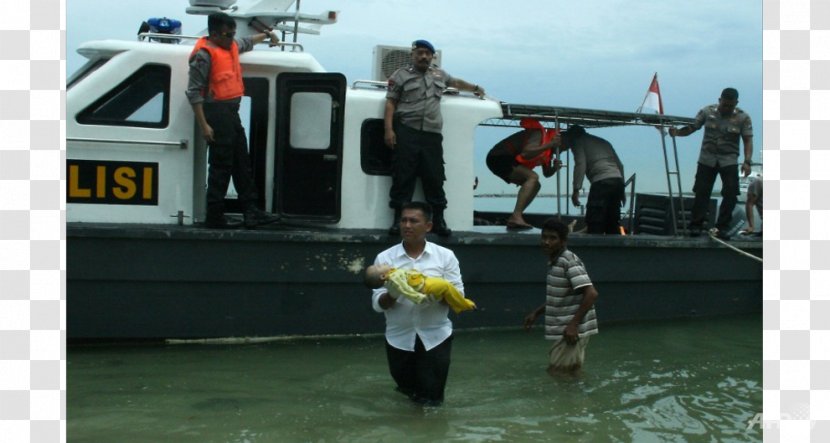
412	129
726	125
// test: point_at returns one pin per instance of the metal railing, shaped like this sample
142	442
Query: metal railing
369	83
181	144
147	35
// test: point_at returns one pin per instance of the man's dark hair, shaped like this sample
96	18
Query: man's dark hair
729	94
219	19
421	206
557	226
571	134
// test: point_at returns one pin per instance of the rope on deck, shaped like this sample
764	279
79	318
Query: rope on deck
739	251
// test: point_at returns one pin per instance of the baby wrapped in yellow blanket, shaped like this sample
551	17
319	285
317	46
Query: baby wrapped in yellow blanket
416	286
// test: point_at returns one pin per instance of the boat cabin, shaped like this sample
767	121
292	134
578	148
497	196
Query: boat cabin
135	154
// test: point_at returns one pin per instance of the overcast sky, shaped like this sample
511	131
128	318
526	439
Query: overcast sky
598	54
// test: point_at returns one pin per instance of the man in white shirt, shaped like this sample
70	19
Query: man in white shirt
418	336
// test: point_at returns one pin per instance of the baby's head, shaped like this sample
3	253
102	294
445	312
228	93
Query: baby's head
376	275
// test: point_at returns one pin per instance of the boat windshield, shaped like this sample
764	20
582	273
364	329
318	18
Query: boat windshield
88	68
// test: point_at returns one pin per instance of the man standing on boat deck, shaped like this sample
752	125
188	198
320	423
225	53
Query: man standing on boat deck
412	129
215	89
726	125
418	336
596	158
570	317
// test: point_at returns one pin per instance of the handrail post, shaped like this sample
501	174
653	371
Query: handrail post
668	180
297	21
558	183
568	182
633	181
680	188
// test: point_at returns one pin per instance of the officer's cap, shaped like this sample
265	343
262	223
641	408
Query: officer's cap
423	44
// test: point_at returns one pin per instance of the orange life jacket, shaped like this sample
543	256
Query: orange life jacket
225	81
547	135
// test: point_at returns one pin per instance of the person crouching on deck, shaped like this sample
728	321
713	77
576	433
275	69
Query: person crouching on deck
570	317
513	160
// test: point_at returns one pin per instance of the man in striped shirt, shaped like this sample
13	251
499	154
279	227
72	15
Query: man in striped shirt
570	318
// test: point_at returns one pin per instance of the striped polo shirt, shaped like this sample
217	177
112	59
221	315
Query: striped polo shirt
566	275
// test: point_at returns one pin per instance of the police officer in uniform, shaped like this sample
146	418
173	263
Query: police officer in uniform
595	158
412	129
725	126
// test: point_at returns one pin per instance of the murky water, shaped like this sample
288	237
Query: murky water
660	381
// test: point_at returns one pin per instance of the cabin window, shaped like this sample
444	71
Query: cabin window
85	70
311	114
375	157
142	100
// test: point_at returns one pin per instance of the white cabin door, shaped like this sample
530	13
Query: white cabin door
309	151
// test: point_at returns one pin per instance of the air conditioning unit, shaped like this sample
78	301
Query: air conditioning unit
387	59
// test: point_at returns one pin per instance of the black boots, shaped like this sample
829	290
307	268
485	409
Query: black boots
439	225
220	222
256	217
395	229
252	217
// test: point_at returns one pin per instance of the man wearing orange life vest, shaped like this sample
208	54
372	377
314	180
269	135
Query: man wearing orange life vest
514	158
215	89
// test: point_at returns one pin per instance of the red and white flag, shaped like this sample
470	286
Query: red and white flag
653	101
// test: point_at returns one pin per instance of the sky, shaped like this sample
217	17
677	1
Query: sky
597	54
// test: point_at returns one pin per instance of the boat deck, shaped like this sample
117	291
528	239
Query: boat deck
488	233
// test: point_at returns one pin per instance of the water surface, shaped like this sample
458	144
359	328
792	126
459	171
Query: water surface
696	380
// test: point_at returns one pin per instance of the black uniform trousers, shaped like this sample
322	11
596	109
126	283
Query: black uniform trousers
602	214
417	154
227	158
704	182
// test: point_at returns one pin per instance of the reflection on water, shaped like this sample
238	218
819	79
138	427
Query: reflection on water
667	381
